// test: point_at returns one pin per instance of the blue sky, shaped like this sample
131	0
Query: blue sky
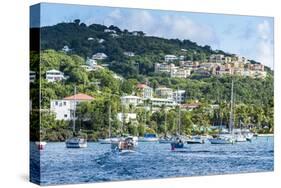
248	36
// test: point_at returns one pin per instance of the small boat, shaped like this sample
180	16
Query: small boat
41	145
248	134
178	145
128	145
165	140
149	137
227	137
239	137
222	140
195	140
76	142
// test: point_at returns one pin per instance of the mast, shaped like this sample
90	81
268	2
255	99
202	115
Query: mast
74	110
179	121
165	122
231	111
109	121
122	119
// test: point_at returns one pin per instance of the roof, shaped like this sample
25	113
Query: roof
130	96
190	105
142	86
79	96
53	71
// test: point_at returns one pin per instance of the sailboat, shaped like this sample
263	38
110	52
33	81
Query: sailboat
239	136
75	141
108	140
178	143
226	137
126	144
165	139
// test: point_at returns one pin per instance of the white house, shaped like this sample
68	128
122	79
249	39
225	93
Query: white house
127	117
164	67
32	76
109	31
164	92
99	56
160	102
91	62
64	108
146	91
169	58
129	54
217	58
101	41
179	96
54	75
87	68
180	73
129	99
66	49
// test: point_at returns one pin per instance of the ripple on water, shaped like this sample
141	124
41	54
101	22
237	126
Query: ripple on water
97	163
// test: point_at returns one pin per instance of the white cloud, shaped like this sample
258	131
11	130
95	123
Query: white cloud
168	26
265	44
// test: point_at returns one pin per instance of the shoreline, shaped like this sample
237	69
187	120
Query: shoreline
266	135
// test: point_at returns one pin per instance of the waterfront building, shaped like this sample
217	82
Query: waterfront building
64	108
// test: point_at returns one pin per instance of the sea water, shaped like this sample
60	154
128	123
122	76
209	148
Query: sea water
96	163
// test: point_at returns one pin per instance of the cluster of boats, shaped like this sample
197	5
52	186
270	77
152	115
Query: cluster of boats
127	144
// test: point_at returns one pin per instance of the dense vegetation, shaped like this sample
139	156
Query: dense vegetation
253	97
254	101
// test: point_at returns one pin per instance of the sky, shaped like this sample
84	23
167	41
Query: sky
248	36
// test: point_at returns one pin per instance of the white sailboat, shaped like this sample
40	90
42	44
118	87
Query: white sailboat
75	141
239	136
228	137
178	142
110	139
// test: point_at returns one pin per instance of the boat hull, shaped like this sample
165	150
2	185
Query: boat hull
76	143
221	141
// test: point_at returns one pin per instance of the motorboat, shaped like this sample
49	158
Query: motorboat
128	145
195	140
76	142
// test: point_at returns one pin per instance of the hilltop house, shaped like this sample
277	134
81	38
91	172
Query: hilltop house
32	76
162	102
129	54
66	49
163	67
133	100
64	108
91	62
54	75
146	91
179	96
164	92
180	73
169	58
99	56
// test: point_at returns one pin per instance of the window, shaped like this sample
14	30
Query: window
56	103
64	103
65	115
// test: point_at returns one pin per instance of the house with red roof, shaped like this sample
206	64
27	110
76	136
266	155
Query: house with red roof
145	90
65	107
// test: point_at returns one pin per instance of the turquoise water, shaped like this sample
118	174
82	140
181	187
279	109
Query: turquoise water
97	163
